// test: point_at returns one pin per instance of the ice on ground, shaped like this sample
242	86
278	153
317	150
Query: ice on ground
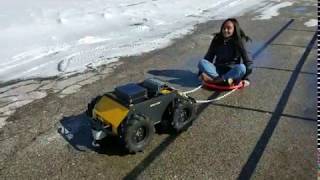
3	121
272	10
70	90
311	23
10	109
91	40
18	91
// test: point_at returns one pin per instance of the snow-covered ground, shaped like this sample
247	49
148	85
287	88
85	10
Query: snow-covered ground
43	38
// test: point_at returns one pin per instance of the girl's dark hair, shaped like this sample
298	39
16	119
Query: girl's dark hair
237	36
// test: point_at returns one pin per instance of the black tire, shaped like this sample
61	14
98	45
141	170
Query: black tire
138	132
182	116
165	125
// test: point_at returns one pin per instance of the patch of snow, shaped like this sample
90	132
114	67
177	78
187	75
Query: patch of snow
272	10
20	90
3	121
311	23
91	40
10	109
70	90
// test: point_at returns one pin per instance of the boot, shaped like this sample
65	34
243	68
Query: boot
205	77
230	81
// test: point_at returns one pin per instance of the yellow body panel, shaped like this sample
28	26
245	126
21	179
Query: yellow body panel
165	91
111	112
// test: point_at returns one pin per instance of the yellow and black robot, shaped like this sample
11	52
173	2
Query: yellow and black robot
131	111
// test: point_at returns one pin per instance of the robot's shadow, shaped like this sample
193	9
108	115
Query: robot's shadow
76	131
184	78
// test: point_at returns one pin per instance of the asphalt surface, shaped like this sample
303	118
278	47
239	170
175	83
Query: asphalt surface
265	131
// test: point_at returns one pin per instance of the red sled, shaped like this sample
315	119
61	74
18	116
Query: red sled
219	87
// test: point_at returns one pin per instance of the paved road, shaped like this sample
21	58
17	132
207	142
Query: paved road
266	131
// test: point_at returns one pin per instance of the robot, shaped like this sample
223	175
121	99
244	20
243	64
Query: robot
132	110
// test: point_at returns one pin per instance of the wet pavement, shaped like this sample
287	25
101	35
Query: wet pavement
265	131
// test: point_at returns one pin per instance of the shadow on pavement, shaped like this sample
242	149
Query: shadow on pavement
77	132
184	78
254	158
150	158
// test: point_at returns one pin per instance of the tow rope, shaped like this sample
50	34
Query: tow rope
233	88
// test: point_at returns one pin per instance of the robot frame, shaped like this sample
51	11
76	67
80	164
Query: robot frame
132	110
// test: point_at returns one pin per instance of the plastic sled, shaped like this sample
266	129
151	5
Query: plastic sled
219	87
